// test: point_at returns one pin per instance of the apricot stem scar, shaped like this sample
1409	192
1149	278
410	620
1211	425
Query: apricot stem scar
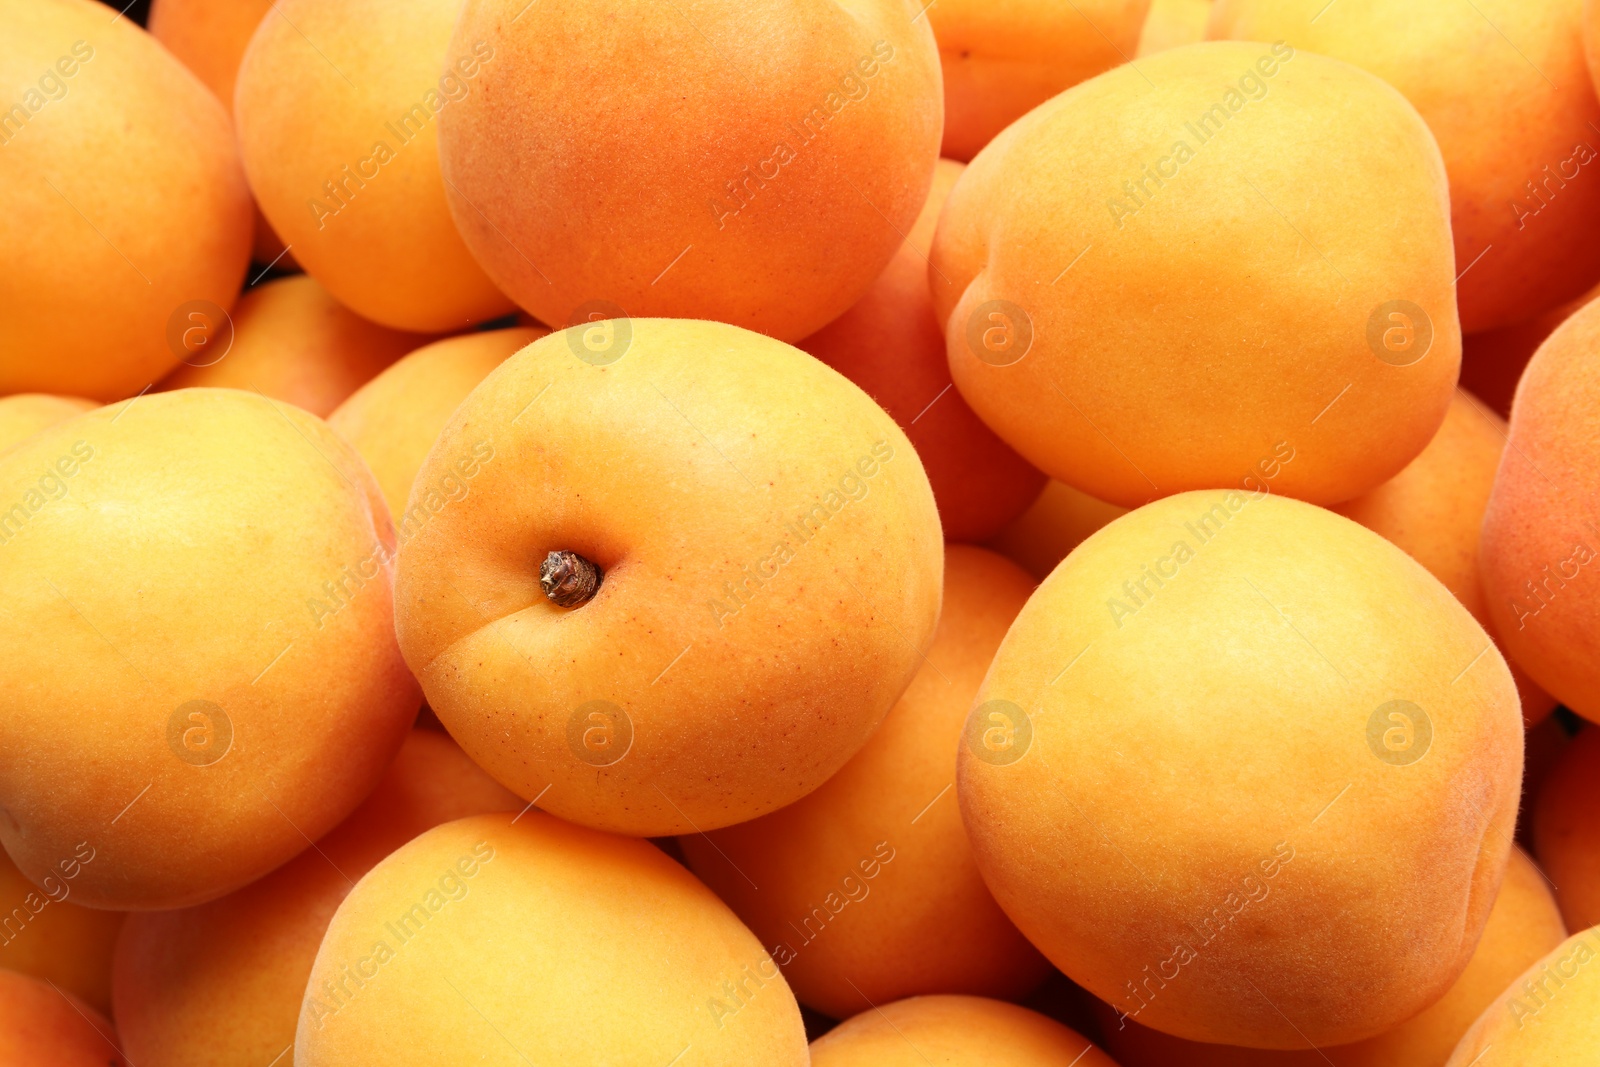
569	580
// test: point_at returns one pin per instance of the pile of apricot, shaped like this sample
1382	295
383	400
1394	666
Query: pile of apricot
753	533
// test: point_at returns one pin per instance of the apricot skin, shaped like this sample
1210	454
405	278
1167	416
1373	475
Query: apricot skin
1059	520
124	201
954	1031
222	982
294	342
790	147
394	419
1540	542
24	414
922	921
717	702
1003	58
891	345
45	1027
1135	345
1241	688
45	934
1523	925
1527	1025
1566	833
248	512
1504	87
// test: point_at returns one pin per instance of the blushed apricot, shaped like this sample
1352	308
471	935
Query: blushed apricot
865	891
1540	533
1003	58
1322	748
891	345
45	1027
1523	925
1548	1015
24	414
1492	362
223	982
500	933
1566	829
121	201
43	933
1056	523
789	147
732	507
1503	86
1434	510
203	576
394	419
291	341
338	109
954	1031
1209	286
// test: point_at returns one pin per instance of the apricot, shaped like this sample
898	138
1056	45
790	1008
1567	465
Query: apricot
954	1031
1236	225
738	507
201	673
865	891
41	1026
1056	523
891	345
1566	833
123	202
1173	24
1523	925
1503	86
1549	1015
1003	59
43	933
394	419
1324	750
500	931
338	126
25	414
1434	510
1492	362
774	180
1540	570
292	341
223	982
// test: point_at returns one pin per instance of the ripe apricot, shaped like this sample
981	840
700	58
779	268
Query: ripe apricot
1173	24
223	982
1548	1015
1523	925
1211	285
865	890
394	419
202	579
122	203
1540	533
788	148
499	931
954	1031
43	933
290	340
1503	86
1566	835
45	1027
1003	58
24	414
338	109
891	345
1323	748
738	507
1056	523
